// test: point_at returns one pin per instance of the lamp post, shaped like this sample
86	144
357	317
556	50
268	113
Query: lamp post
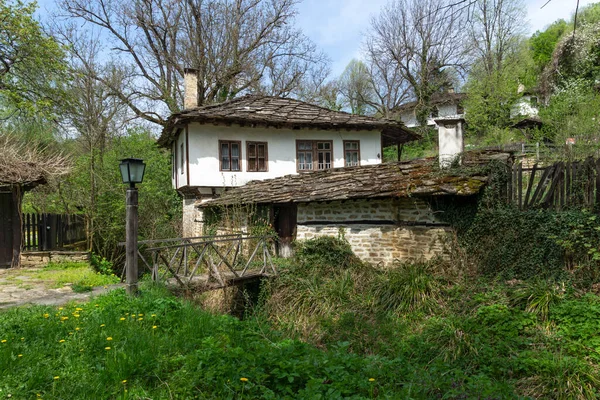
132	172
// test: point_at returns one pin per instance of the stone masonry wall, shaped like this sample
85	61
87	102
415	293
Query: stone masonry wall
41	258
407	229
192	218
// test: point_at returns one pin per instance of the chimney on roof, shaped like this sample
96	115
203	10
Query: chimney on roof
190	88
450	137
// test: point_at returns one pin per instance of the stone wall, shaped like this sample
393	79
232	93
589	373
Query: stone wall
379	231
192	218
41	258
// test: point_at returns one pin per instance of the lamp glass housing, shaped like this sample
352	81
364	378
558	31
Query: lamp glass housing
132	170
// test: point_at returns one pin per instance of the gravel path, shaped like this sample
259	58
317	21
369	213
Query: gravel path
17	288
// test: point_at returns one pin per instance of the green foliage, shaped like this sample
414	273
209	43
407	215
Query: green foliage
33	64
101	264
424	147
538	295
543	43
407	287
573	112
159	205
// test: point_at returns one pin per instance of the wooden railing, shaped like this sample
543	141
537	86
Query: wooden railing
215	261
44	232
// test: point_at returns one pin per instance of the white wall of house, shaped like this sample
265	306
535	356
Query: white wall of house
446	110
204	166
526	106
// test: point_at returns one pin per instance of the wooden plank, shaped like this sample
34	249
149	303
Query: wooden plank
541	186
170	270
530	185
549	198
520	185
598	184
511	182
224	259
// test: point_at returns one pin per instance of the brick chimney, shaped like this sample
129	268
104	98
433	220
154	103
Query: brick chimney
190	88
450	137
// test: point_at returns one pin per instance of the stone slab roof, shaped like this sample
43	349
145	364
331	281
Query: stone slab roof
278	112
420	177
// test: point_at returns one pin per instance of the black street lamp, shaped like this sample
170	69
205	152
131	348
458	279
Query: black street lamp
132	172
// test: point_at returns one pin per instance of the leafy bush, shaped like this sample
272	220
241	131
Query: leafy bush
101	264
538	295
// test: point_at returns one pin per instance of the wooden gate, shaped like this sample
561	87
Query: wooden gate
7	227
558	186
284	221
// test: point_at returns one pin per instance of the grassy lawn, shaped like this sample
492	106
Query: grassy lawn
79	275
156	346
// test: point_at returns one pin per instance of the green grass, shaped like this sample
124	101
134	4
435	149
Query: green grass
79	275
156	346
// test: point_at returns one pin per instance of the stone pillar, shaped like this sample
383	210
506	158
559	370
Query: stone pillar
190	88
451	143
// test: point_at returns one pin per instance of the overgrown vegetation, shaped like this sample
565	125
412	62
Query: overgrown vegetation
513	338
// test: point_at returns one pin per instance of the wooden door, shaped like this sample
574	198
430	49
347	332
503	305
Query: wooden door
285	225
6	229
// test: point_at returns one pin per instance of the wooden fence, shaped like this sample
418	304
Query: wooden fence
558	186
43	232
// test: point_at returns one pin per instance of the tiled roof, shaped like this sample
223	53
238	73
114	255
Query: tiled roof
278	112
412	178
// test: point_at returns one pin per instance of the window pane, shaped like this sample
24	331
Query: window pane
320	157
261	164
225	163
252	164
348	156
328	158
235	164
261	150
355	158
251	150
225	149
235	150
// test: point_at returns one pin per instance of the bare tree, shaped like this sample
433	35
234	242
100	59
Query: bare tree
235	45
496	29
356	87
419	40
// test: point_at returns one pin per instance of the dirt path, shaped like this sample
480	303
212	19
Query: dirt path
25	286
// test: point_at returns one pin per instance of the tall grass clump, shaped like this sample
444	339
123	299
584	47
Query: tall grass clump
538	295
408	287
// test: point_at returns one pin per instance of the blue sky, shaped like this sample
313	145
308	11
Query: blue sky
337	26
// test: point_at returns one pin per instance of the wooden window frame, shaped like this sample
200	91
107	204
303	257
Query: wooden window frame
181	159
229	143
315	155
250	143
357	153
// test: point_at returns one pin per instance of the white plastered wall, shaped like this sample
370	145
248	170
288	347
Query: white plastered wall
204	152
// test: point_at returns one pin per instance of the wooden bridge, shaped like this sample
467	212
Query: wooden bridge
208	261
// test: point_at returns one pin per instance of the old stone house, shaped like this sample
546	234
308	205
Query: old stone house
255	137
386	211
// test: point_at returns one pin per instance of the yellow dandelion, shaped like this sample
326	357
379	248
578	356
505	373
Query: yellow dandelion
107	348
60	308
22	338
124	381
20	355
76	315
61	341
140	315
3	341
244	379
153	315
121	319
371	379
139	319
79	309
102	326
56	378
109	338
70	333
64	318
78	328
96	305
154	326
126	313
46	315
